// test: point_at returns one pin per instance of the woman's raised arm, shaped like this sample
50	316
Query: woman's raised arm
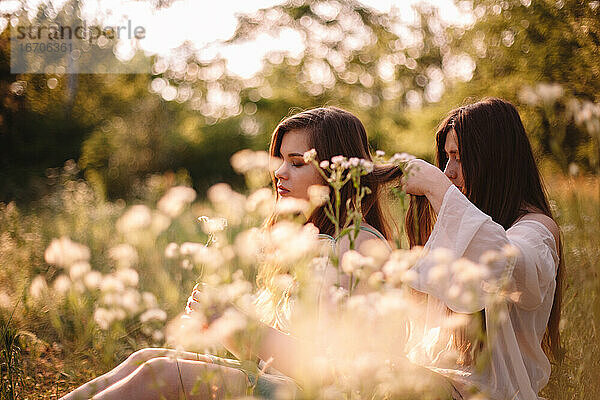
468	232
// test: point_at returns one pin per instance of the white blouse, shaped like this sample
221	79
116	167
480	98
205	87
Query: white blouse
519	369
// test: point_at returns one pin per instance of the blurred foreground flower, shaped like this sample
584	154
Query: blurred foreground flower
176	198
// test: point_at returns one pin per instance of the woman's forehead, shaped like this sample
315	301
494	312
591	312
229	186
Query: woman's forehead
451	141
294	141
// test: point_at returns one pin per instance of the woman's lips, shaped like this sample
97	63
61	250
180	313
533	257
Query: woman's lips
282	191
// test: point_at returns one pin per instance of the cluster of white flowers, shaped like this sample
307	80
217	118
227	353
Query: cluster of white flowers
117	292
546	93
176	198
342	163
287	243
292	205
318	195
397	268
216	317
261	202
136	218
64	252
212	225
192	254
247	160
398	158
354	263
228	203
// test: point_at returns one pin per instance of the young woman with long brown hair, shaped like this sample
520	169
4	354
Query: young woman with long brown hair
331	132
486	193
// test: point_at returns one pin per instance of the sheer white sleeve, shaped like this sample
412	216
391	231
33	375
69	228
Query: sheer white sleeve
468	232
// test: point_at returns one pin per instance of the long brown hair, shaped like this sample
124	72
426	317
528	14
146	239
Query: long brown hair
501	178
332	131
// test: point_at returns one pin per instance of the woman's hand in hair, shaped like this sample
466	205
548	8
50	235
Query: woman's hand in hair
424	179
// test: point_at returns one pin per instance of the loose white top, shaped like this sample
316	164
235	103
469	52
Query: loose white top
519	369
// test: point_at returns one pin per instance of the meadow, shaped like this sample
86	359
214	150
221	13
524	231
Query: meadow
54	337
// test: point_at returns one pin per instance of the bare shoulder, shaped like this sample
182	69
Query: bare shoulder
363	236
546	221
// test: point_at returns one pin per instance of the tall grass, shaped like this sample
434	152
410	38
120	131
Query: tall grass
68	336
577	207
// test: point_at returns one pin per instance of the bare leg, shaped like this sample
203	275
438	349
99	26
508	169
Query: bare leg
167	378
133	362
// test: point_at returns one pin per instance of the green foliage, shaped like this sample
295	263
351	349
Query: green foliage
521	43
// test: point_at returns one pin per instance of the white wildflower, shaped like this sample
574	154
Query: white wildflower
230	204
174	201
79	269
158	336
454	292
292	205
149	300
103	318
128	276
409	277
125	255
247	160
248	245
318	195
467	298
184	332
353	262
376	279
111	284
130	300
310	155
549	92
92	280
438	274
171	250
380	153
138	217
469	272
510	251
154	314
230	322
211	257
573	169
64	252
5	300
289	242
213	225
283	282
62	284
38	287
443	255
338	161
191	248
367	166
401	158
489	257
160	222
262	201
324	164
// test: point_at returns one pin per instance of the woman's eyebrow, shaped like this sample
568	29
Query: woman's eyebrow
295	155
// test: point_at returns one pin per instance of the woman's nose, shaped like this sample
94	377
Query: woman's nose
280	172
450	170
